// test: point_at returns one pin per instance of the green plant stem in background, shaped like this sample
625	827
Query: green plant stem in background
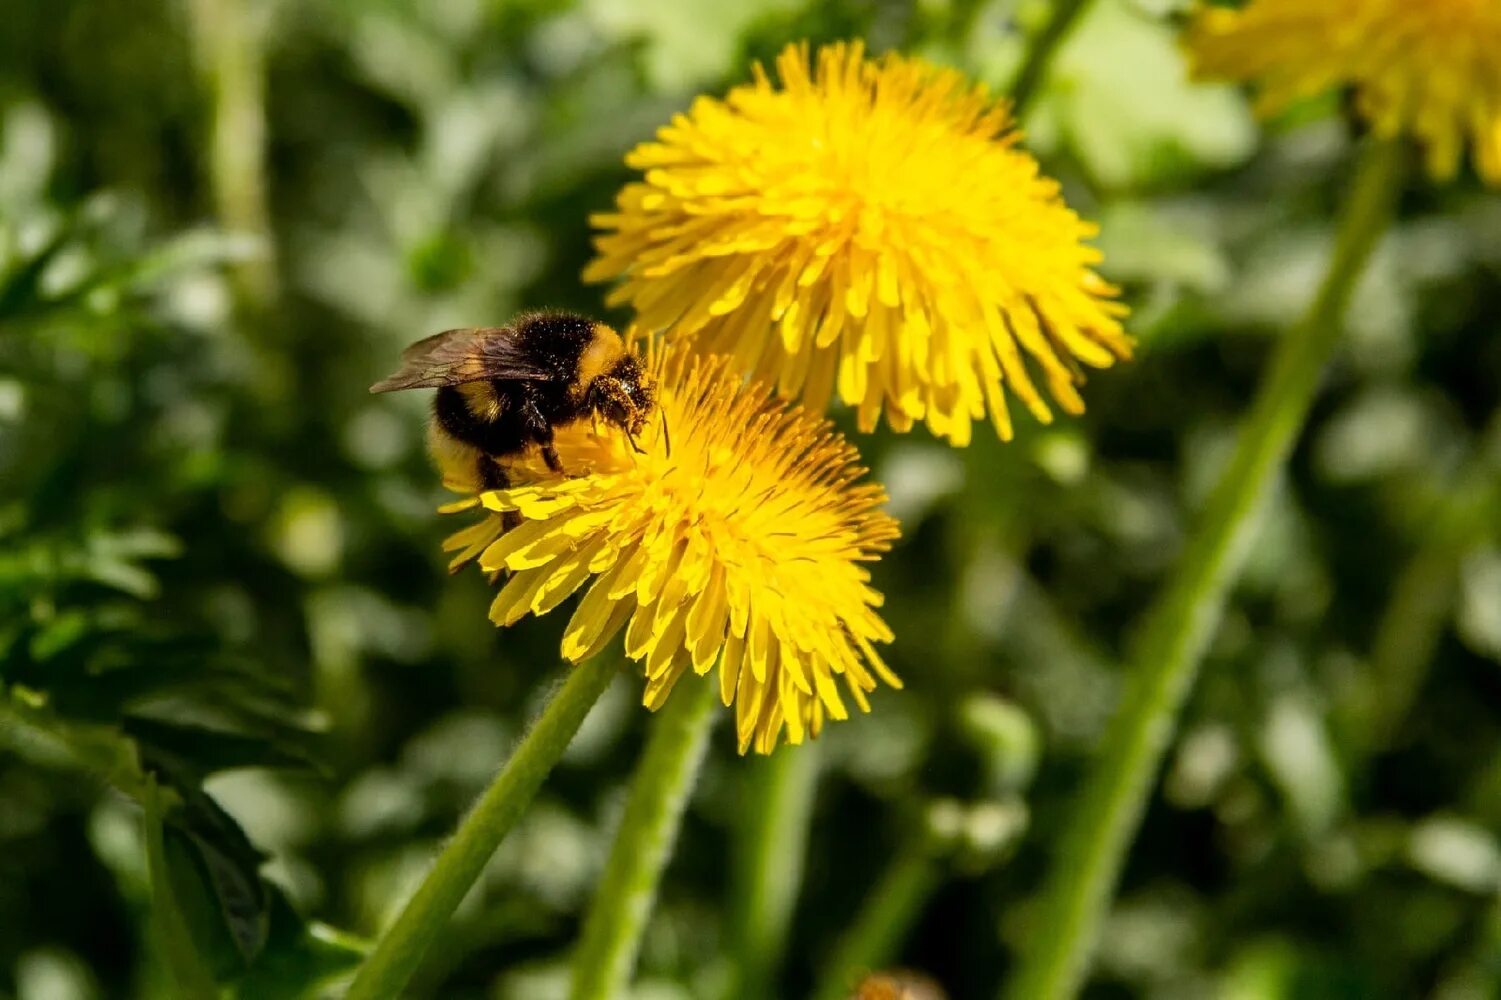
878	929
229	41
1034	68
659	793
1179	626
426	914
770	848
1421	602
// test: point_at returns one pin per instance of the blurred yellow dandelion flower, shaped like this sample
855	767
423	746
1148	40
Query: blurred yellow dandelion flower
868	227
1429	68
734	542
900	985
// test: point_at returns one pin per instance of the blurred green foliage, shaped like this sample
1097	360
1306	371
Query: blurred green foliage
227	642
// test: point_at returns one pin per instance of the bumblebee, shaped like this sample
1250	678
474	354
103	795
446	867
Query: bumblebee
504	389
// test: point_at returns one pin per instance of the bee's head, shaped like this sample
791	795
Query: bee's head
625	395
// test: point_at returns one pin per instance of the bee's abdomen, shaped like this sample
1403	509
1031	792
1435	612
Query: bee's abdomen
503	435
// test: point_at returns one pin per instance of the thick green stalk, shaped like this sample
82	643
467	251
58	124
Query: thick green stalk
1179	626
396	954
878	929
1040	53
771	845
659	793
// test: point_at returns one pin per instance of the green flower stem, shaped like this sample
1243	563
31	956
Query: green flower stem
1181	623
397	953
878	929
1040	54
771	844
659	793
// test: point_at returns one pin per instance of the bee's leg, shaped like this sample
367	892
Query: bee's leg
541	432
550	456
491	475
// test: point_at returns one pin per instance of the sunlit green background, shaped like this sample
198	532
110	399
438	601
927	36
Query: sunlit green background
215	543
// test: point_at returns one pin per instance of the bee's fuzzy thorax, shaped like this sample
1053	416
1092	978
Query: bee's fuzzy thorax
604	350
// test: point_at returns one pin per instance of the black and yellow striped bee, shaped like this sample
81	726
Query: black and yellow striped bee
503	390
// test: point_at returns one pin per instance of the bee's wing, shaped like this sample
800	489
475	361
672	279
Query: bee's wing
465	355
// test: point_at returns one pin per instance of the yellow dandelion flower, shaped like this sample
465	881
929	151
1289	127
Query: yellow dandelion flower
734	542
1428	68
868	227
901	985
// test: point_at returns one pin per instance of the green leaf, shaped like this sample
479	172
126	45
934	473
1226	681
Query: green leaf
206	751
218	869
194	250
1479	613
34	732
300	958
62	634
1120	96
179	950
1174	244
20	292
149	676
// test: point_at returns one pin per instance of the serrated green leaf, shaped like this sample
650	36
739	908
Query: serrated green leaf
235	905
208	926
175	940
149	671
207	751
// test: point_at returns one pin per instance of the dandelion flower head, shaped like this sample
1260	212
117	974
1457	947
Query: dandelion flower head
1428	68
734	543
868	228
